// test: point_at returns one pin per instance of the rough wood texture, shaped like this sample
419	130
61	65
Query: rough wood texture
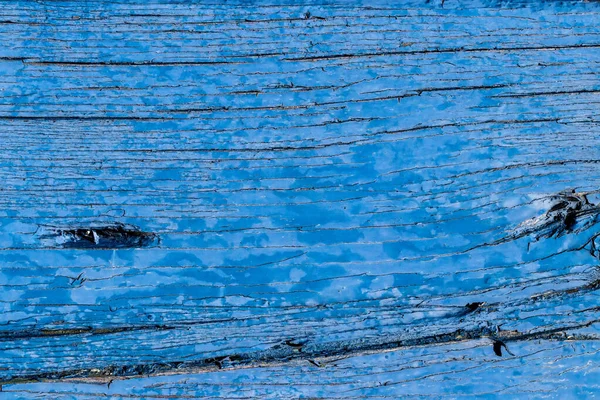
339	199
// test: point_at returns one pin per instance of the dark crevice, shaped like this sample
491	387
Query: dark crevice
571	213
112	236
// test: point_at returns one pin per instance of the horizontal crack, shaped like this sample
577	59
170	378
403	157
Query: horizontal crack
440	51
294	351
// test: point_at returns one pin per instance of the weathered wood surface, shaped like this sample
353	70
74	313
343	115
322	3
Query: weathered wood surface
273	200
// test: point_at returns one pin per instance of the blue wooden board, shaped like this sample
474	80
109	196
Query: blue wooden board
336	199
